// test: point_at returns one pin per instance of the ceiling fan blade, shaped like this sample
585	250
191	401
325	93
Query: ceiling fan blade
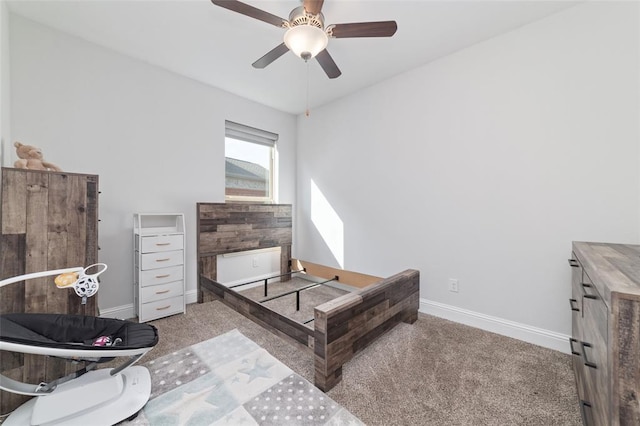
271	56
313	6
250	11
328	65
363	29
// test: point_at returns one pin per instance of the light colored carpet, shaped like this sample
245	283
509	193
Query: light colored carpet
432	372
230	380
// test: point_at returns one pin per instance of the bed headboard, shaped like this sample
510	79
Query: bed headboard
228	228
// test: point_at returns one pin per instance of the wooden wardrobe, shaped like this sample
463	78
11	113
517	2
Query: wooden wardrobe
49	220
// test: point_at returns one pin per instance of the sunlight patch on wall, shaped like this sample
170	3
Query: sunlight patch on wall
328	223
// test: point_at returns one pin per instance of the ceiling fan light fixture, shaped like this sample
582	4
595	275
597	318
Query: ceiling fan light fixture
306	41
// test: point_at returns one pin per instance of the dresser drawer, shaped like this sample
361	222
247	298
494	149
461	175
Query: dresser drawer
161	243
593	372
153	293
575	302
161	276
162	308
595	313
595	357
595	392
161	259
578	370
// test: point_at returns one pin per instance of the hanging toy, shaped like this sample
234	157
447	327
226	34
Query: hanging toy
67	279
85	285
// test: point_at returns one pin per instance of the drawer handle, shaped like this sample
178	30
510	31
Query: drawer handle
163	276
586	295
163	244
574	263
572	303
584	355
571	342
163	291
163	260
163	308
583	411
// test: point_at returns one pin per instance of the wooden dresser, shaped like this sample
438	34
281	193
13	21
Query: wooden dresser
605	341
48	220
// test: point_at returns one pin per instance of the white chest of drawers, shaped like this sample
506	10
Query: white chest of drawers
159	283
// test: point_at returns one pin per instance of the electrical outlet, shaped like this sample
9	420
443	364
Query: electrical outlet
453	285
254	262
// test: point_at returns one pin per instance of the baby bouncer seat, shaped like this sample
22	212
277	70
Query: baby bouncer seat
88	396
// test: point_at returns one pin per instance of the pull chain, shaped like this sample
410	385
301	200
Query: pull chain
307	111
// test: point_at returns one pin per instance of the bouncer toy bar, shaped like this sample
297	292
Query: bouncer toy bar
85	285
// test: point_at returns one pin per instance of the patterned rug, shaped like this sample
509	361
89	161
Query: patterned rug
231	380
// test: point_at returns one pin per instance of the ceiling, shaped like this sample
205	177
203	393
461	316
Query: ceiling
215	46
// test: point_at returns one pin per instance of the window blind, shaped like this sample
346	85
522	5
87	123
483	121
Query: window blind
249	134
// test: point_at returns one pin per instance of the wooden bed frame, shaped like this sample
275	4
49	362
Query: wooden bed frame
342	327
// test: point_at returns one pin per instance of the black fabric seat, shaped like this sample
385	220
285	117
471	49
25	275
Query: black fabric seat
75	331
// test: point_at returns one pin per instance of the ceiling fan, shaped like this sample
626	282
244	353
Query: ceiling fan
306	35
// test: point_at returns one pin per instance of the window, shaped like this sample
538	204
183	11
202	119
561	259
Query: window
249	163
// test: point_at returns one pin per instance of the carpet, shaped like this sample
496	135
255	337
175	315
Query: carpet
231	380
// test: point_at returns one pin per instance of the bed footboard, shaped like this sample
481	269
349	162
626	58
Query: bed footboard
346	325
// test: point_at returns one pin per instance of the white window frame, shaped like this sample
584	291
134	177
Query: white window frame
250	134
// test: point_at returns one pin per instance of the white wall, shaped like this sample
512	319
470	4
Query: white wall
240	268
484	166
5	99
155	139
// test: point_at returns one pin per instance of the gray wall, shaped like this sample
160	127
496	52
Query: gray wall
483	166
156	139
5	84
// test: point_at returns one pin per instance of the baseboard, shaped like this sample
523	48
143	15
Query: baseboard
191	296
527	333
119	312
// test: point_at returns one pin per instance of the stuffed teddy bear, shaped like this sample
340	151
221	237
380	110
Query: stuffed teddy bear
31	158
